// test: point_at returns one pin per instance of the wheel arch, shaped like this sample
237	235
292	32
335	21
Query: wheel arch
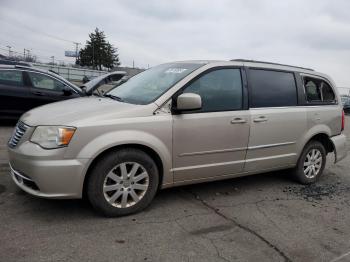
146	149
303	174
318	132
325	140
321	137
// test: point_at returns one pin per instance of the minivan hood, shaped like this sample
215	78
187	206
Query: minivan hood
85	109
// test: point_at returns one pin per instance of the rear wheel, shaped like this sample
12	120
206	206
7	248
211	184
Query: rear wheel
123	182
311	163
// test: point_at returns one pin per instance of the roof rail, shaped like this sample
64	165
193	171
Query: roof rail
54	72
13	63
269	63
23	66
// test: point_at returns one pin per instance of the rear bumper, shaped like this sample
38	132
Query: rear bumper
340	148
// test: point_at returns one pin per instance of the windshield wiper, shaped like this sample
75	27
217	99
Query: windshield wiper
114	97
96	94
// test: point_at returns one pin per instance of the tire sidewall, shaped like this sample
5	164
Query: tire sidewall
105	165
300	167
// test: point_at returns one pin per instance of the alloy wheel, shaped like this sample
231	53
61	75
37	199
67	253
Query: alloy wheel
312	163
126	184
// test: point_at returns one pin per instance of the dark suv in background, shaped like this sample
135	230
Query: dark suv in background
23	88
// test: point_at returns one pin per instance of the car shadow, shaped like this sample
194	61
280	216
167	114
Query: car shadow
54	210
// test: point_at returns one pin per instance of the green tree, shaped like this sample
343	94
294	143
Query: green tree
98	52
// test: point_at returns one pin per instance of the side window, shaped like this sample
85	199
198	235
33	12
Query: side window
114	78
327	92
313	93
45	82
272	88
11	77
220	90
317	90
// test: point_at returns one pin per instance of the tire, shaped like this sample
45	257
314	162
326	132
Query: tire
119	175
313	168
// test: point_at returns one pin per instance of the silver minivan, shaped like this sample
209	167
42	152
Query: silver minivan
175	124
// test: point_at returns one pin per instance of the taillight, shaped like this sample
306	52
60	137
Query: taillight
342	120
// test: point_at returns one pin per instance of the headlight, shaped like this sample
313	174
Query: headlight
50	137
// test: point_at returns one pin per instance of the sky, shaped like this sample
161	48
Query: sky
309	33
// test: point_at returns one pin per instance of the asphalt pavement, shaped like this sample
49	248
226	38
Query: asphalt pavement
266	217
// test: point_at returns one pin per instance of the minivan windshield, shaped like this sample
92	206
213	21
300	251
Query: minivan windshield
147	86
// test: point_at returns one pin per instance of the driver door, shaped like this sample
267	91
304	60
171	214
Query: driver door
46	89
212	141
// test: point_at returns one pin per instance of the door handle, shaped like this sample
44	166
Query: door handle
38	93
238	120
260	119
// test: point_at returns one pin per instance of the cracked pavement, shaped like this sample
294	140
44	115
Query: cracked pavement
265	217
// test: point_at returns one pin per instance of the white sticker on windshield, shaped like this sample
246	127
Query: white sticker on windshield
175	70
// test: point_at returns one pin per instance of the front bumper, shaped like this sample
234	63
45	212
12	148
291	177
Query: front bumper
340	147
45	173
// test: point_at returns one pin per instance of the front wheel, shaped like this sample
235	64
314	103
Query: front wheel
311	163
123	182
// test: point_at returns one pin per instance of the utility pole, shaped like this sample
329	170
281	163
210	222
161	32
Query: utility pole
9	47
76	51
133	64
53	59
93	55
24	53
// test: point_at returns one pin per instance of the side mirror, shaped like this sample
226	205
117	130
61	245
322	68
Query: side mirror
67	91
188	101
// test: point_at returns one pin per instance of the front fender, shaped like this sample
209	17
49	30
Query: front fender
124	137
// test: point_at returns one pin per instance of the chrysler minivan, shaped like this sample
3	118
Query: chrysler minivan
175	124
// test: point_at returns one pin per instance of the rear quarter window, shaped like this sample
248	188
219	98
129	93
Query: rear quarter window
327	92
318	90
270	88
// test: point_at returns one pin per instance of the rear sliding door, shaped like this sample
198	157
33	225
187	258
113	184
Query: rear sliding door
276	122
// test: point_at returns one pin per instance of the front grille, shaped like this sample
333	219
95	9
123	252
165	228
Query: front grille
17	134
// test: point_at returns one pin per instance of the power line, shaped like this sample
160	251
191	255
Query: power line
19	24
4	42
30	50
47	58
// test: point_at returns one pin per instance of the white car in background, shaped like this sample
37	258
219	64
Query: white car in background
104	83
